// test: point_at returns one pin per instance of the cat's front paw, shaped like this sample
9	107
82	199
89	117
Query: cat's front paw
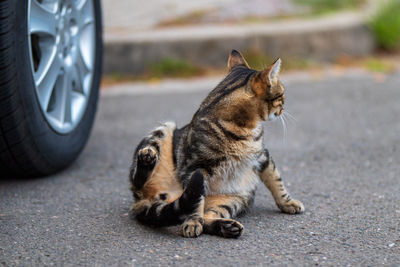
148	156
293	206
230	228
193	227
227	228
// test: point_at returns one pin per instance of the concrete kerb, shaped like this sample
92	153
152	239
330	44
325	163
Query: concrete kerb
322	39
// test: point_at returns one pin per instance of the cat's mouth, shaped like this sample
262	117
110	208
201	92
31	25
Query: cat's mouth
273	116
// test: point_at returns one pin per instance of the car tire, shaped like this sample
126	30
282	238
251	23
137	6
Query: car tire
30	145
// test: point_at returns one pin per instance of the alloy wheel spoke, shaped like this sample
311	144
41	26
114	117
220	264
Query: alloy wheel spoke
45	81
42	20
82	70
86	13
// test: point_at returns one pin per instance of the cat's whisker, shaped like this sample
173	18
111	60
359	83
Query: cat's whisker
286	121
283	128
287	118
290	116
284	118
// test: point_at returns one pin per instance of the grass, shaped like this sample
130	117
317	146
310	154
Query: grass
386	25
170	67
378	65
258	60
328	6
313	7
176	68
195	17
166	68
173	68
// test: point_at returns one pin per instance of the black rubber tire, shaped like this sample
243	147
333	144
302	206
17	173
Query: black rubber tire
28	145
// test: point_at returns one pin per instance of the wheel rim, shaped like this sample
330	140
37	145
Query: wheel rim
61	45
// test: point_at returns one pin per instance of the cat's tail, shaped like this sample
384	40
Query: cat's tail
160	213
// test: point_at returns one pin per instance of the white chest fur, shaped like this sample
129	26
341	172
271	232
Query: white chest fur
234	177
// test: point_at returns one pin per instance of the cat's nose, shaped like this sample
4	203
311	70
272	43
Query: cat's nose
279	112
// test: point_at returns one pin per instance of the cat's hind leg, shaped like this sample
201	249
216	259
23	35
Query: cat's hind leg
219	212
187	208
272	179
193	223
146	156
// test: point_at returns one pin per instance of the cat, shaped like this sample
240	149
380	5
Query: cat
205	174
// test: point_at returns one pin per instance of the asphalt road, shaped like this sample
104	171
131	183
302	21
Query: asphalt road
341	158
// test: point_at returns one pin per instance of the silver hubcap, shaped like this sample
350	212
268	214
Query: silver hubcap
62	43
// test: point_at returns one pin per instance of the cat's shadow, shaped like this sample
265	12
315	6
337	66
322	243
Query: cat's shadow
130	222
259	212
10	180
171	231
131	226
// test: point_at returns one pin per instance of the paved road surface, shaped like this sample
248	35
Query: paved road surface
342	159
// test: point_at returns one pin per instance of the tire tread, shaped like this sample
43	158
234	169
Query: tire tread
18	153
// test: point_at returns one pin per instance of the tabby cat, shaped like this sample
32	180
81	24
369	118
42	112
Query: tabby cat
205	174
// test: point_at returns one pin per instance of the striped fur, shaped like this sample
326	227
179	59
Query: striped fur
205	174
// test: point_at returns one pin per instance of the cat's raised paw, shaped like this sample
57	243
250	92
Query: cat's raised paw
192	228
293	206
148	156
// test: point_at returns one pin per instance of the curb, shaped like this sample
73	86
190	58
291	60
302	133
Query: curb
322	39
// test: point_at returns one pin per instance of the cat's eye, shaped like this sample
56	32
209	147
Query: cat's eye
275	98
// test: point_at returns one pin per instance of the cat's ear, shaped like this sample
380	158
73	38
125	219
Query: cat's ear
235	59
265	79
274	70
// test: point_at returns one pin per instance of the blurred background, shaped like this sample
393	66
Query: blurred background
162	39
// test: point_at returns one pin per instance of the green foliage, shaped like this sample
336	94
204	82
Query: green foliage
386	25
169	67
378	65
257	59
323	6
